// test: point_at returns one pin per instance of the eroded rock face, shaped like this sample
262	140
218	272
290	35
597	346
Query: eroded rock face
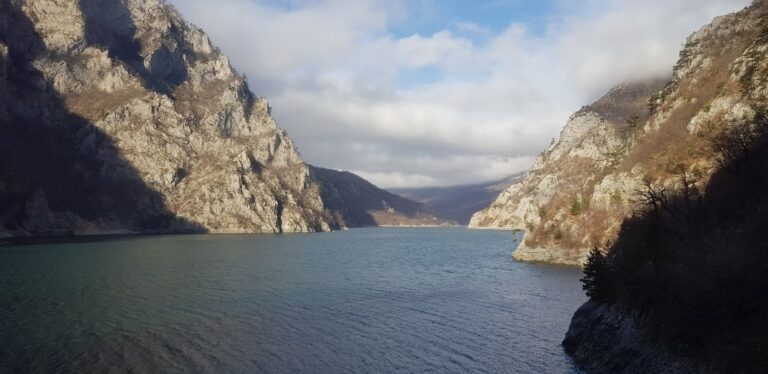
592	140
117	115
580	189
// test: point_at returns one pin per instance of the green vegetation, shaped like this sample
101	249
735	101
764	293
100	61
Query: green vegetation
616	197
686	56
577	206
543	213
557	234
596	281
754	56
634	123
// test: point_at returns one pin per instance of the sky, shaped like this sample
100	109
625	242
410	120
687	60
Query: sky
415	93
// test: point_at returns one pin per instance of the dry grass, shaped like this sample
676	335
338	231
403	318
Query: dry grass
194	103
94	104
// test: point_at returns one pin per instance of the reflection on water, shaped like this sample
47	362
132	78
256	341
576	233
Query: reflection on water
364	300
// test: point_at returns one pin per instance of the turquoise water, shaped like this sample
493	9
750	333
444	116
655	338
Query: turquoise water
365	300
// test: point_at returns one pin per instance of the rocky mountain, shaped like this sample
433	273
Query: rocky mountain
119	116
581	189
681	287
554	202
459	203
355	202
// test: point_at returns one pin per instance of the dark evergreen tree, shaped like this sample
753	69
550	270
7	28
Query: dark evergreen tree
596	281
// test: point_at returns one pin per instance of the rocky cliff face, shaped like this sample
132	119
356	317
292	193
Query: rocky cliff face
567	176
117	115
355	202
581	189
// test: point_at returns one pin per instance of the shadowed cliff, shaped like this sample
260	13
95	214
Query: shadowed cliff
119	116
59	174
108	25
688	271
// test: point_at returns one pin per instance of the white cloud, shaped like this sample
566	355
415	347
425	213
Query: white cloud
418	51
479	110
472	28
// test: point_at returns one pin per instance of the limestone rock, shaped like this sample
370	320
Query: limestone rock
580	189
593	139
119	115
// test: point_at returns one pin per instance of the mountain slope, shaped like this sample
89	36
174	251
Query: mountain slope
682	288
563	178
459	203
356	202
117	115
582	188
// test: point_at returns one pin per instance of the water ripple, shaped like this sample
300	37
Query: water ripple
360	301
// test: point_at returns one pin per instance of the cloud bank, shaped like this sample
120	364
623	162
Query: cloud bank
464	104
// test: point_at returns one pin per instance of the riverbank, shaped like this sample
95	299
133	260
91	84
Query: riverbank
604	339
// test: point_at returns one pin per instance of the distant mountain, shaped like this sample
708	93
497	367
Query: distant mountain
355	202
458	203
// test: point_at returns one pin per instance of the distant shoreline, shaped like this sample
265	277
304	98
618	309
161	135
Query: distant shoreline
99	236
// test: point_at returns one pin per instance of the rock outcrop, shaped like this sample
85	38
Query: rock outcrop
603	338
355	202
119	116
567	176
581	189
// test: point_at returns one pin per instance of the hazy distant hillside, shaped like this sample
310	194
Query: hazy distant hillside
458	203
356	202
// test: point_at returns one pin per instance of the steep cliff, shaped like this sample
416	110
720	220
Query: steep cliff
682	287
355	202
581	189
552	202
118	116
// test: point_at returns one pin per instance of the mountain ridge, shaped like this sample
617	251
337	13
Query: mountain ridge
356	202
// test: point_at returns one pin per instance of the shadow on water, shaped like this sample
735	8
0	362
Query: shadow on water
52	160
108	25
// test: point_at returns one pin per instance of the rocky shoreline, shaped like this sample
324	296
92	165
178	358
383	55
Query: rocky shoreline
549	255
602	338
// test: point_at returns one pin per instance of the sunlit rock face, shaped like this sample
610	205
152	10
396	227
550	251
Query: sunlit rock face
119	116
588	147
580	189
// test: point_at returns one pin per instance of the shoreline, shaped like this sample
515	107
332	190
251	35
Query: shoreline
602	338
107	235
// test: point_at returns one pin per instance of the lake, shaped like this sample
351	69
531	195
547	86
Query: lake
440	300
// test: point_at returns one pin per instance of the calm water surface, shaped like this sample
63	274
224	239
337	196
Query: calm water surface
364	300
